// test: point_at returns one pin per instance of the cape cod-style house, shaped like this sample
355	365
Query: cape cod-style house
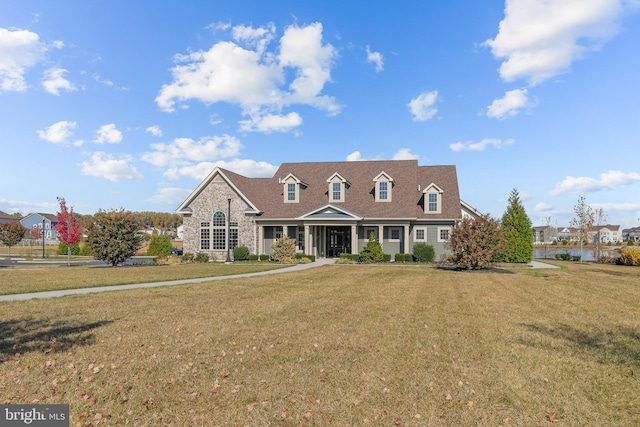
328	208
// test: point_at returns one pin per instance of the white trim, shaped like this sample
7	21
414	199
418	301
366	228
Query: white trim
440	229
415	234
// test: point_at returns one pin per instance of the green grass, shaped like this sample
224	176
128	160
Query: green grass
341	345
47	277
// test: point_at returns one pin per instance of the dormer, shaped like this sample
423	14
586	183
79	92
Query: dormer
337	188
432	199
384	184
292	188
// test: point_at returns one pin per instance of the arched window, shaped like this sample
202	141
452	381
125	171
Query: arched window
219	231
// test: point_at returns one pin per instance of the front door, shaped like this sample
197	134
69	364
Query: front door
337	242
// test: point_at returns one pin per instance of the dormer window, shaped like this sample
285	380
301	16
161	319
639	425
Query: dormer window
432	199
384	185
337	188
292	188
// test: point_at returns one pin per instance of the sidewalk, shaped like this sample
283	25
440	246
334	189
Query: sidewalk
83	291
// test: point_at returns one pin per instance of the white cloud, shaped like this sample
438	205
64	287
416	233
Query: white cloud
54	81
271	123
256	80
543	207
19	50
616	207
259	38
405	154
103	165
246	167
538	40
481	145
154	130
185	150
169	196
108	134
375	58
58	44
509	105
584	184
58	132
423	107
356	156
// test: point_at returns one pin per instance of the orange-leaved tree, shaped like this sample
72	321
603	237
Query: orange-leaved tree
68	230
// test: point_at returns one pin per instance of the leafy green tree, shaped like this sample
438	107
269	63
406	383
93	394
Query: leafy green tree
372	252
159	245
475	243
11	233
113	236
517	232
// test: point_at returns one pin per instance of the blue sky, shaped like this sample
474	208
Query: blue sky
121	104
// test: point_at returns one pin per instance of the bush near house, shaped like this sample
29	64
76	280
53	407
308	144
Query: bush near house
284	249
241	253
372	252
423	252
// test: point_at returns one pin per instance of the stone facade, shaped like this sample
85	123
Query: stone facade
212	199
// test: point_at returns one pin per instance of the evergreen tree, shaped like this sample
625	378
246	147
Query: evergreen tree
159	245
372	252
516	228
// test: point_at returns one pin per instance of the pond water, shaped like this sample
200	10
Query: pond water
587	254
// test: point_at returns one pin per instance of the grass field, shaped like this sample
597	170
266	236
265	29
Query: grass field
39	278
340	345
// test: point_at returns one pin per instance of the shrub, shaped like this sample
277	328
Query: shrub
346	259
630	243
564	257
85	250
187	257
303	260
302	257
399	257
372	252
62	249
240	253
354	258
264	257
629	256
576	258
604	259
201	257
475	243
423	252
253	257
283	248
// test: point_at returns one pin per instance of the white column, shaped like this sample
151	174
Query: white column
354	239
406	239
381	235
260	239
308	250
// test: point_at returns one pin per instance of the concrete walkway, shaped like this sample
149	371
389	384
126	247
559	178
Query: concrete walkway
83	291
538	264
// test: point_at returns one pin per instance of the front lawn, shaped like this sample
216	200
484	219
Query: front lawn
340	345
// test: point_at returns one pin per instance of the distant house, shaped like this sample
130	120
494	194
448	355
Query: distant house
5	217
631	234
544	234
38	220
328	208
605	233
